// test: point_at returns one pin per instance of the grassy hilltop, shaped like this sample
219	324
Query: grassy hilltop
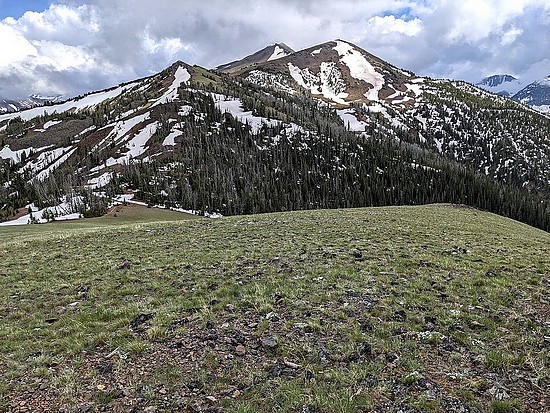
411	309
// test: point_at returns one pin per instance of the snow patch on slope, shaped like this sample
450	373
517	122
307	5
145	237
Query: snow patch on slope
100	181
277	53
170	140
351	121
360	68
234	107
62	212
88	101
46	172
181	76
329	82
15	156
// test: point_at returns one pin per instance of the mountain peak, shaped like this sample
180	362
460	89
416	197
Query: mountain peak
496	80
337	72
268	53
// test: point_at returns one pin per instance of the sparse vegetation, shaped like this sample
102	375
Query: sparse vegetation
319	311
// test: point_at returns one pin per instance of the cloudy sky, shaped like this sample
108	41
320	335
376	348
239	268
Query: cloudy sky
73	46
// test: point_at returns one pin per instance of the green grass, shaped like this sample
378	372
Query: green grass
451	303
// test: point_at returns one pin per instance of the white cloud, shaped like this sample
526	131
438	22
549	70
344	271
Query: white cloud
15	46
510	36
77	46
390	24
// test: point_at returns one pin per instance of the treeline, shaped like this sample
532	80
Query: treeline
231	170
222	165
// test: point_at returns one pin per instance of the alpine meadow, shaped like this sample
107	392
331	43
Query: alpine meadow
309	231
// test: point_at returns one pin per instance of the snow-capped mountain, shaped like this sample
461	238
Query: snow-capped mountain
337	72
193	132
7	106
536	94
452	118
272	52
505	85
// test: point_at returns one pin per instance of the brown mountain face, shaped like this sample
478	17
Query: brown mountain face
337	72
269	53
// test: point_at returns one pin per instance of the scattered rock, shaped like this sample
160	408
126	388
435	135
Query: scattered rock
105	368
124	265
268	342
392	358
365	350
498	393
353	357
357	254
454	406
366	325
309	408
240	350
428	319
137	323
399	315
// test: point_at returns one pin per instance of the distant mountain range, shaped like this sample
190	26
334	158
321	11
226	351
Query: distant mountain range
328	126
7	106
535	94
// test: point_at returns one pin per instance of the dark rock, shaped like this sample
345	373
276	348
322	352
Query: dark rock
268	342
105	368
370	381
124	265
430	320
278	297
309	375
194	385
366	325
357	254
137	323
400	315
365	350
399	331
238	338
212	336
353	357
310	408
392	357
454	406
275	371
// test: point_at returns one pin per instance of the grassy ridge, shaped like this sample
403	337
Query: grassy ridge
431	308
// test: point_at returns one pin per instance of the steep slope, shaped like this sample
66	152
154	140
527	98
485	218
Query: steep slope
505	85
536	94
502	139
188	138
337	72
272	52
